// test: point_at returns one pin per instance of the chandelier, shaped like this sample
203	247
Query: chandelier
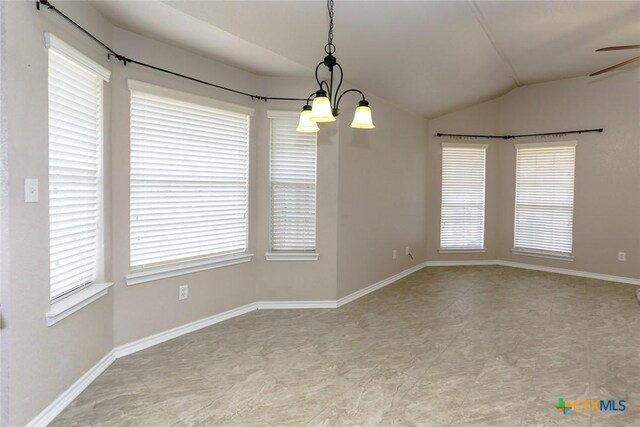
326	100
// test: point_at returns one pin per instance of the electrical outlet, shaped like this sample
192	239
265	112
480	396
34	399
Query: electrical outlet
394	255
183	293
406	250
622	256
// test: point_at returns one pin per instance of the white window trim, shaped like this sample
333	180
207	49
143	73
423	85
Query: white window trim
470	249
534	252
273	114
462	251
165	272
75	301
68	51
463	145
291	256
546	144
135	85
66	305
542	254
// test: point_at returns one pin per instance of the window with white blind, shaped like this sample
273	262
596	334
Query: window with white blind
75	168
544	198
463	188
189	180
293	189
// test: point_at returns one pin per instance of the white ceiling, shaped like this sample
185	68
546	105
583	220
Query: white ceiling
427	56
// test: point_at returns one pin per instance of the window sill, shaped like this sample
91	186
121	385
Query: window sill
291	256
543	254
186	268
74	302
463	251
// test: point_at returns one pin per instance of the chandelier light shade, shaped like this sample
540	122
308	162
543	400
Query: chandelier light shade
362	117
321	111
325	101
305	125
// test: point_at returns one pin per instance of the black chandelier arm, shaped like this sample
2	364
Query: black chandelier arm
310	96
325	86
318	78
346	92
339	84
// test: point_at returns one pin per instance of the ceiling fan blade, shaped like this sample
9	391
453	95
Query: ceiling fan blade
632	46
613	67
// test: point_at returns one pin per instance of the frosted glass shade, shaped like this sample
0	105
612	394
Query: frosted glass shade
321	110
305	125
362	118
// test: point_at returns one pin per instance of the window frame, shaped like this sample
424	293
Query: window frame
73	299
290	255
191	265
543	253
463	249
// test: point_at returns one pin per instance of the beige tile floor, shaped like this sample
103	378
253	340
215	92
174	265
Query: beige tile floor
444	346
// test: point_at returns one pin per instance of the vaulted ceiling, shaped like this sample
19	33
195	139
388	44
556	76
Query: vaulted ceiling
427	56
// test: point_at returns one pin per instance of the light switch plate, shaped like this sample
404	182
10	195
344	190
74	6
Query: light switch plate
30	190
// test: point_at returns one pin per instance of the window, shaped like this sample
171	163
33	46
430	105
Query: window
544	198
293	187
75	168
189	179
463	183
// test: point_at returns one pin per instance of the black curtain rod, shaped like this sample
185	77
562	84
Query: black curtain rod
126	60
566	132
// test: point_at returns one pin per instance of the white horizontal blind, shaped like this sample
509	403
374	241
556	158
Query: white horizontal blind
75	148
544	197
293	187
189	181
463	187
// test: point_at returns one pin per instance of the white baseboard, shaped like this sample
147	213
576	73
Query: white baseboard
381	284
288	305
568	272
58	405
141	344
466	262
525	266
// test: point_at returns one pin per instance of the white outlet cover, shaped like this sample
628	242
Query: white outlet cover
622	256
394	255
183	292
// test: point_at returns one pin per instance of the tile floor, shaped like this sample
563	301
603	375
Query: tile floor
445	346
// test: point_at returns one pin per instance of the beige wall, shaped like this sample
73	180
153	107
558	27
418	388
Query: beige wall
607	205
382	194
43	361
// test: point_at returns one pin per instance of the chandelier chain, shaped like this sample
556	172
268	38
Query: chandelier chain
330	47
